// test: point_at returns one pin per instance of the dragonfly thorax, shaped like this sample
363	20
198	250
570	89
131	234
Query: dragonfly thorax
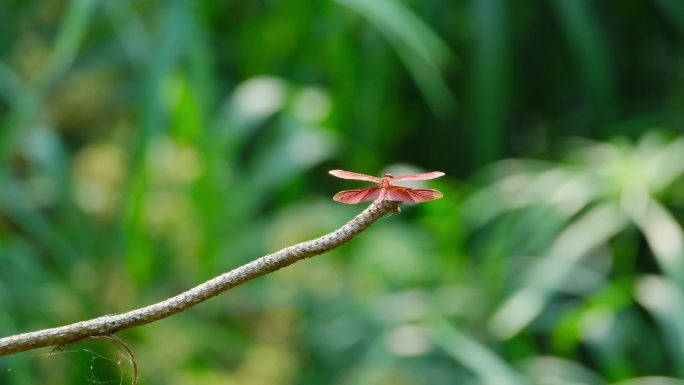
386	180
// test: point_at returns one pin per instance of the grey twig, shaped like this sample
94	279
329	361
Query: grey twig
110	324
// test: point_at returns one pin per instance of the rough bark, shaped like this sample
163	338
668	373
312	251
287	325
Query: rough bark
110	324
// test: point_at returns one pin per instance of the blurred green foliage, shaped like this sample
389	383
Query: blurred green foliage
146	146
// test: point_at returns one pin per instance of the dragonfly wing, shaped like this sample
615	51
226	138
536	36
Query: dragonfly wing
424	176
355	196
412	195
353	175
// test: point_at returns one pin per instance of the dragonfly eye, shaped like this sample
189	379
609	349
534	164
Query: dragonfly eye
389	176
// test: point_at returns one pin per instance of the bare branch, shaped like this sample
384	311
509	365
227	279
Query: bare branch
110	324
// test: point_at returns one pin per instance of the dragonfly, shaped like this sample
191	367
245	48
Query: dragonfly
386	189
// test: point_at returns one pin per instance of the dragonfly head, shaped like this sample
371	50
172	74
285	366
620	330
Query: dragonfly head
388	176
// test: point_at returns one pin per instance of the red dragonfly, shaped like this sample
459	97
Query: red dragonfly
385	189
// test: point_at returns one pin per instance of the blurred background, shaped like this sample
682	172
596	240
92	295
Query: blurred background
146	146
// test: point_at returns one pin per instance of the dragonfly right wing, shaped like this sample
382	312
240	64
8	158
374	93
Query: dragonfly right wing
424	176
412	195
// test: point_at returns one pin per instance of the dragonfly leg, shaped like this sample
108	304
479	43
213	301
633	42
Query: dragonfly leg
383	194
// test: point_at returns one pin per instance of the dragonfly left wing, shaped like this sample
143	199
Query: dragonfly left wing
355	196
353	175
